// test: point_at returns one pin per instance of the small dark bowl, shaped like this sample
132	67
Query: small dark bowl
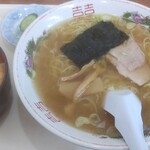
5	86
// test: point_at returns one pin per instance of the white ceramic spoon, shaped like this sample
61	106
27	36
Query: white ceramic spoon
126	108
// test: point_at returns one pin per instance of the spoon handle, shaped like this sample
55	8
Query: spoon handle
125	106
130	123
132	133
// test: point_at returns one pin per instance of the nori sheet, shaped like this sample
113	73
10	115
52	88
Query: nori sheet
93	43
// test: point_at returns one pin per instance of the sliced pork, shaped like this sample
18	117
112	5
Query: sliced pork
130	62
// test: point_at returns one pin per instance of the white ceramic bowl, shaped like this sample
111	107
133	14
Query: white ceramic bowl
23	82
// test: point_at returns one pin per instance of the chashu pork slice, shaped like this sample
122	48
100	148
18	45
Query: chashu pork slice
130	62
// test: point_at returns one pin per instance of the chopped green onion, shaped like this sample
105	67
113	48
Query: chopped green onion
130	25
124	53
80	121
94	119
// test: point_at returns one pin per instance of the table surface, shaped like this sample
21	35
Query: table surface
144	2
18	130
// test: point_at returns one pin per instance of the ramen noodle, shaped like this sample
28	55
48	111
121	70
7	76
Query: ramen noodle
76	94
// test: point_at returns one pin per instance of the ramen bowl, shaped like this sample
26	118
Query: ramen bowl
24	71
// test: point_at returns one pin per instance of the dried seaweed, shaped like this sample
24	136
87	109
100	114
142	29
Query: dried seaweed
93	43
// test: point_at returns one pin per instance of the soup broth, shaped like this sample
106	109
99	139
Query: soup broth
2	69
51	64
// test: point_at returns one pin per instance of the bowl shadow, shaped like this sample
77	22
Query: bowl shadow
6	111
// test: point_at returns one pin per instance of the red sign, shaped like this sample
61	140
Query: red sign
40	105
79	11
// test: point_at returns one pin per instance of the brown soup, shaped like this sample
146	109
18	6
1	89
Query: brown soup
2	69
51	65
